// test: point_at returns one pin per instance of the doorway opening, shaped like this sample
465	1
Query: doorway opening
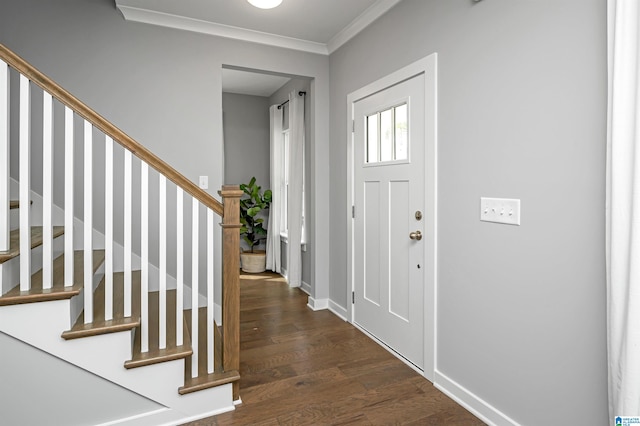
247	96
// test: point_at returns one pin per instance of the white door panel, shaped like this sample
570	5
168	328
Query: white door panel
388	191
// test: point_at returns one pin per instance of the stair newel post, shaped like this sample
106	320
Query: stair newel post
4	157
231	280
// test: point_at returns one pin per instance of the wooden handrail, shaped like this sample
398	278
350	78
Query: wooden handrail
108	128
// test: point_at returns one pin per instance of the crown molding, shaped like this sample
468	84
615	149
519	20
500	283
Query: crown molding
227	31
360	23
153	17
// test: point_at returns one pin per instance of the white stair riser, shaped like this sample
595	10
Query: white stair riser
14	220
10	271
40	325
76	304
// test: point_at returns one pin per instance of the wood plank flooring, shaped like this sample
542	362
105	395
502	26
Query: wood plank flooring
300	367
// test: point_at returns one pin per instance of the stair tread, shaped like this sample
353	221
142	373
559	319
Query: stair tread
205	380
58	291
208	381
36	240
15	204
119	321
155	354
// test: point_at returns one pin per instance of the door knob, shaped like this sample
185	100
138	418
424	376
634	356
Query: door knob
416	235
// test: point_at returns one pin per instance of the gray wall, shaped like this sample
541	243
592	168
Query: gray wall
521	114
297	85
246	142
60	392
246	139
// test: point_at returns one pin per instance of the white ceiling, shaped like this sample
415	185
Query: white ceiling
251	83
317	26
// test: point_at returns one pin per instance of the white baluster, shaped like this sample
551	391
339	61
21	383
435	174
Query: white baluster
25	184
179	264
4	157
194	287
47	190
108	228
128	185
163	261
144	256
210	324
88	223
68	197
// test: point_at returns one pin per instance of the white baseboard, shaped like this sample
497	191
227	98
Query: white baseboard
338	310
163	417
184	420
157	416
476	405
317	304
306	287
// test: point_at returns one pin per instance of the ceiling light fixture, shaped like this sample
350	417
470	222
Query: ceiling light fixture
265	4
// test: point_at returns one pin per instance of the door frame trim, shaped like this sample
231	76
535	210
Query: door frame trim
426	66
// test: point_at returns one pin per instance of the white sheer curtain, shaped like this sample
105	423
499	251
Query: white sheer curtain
623	209
294	208
273	227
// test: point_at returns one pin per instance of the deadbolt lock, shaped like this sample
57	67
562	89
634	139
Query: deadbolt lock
418	215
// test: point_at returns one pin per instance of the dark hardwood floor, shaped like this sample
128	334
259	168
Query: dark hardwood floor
300	367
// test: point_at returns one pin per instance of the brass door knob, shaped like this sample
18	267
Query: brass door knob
416	235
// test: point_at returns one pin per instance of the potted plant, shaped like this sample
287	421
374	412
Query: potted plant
253	230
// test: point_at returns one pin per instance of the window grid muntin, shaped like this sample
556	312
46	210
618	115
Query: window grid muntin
394	133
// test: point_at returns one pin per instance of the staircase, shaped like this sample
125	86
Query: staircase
118	275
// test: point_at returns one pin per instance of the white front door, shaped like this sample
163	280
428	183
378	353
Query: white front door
389	231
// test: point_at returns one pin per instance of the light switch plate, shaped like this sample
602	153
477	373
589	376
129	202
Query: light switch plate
203	182
500	210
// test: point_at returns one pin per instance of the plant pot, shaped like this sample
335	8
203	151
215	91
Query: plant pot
255	262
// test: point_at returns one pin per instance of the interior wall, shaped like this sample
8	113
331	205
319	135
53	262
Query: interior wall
161	86
281	95
246	139
63	392
246	142
521	114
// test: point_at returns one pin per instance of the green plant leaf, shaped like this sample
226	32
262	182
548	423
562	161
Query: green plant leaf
252	230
